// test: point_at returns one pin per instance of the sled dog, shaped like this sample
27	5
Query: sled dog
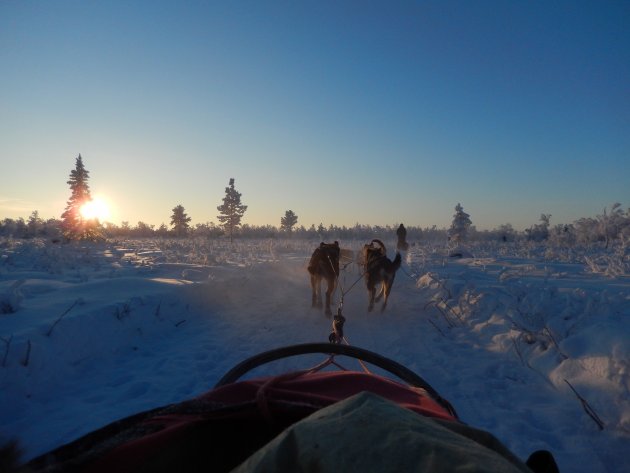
324	264
379	269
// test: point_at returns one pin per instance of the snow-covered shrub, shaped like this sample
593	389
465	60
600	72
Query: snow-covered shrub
611	223
539	232
610	265
11	298
562	235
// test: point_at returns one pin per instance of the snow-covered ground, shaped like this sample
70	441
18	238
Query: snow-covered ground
527	342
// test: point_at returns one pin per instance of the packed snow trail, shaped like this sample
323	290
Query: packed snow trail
148	332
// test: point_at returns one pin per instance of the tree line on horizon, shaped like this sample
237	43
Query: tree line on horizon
612	224
609	226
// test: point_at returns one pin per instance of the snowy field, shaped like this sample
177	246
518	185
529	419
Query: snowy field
528	342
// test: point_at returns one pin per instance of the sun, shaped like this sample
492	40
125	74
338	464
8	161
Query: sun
96	208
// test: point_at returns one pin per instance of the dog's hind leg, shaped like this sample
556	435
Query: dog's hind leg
317	292
371	294
384	303
387	288
381	292
329	291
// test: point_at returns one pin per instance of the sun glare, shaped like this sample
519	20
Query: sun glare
96	208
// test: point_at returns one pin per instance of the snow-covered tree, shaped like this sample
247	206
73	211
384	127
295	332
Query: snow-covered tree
288	221
232	210
144	230
506	232
611	223
35	224
563	235
125	228
207	230
586	230
461	223
540	231
162	230
74	226
13	228
179	221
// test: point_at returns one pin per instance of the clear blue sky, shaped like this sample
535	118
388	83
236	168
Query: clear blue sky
344	112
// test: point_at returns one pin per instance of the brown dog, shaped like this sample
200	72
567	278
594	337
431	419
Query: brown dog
379	269
324	264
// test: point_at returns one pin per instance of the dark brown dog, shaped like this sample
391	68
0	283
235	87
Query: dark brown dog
324	264
379	269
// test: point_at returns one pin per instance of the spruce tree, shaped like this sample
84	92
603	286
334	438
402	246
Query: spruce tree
35	224
459	228
179	221
288	221
73	225
232	210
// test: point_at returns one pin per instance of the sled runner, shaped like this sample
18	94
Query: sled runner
311	420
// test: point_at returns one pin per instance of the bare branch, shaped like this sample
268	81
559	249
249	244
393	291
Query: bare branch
519	353
435	304
27	357
61	317
157	310
452	311
6	351
436	327
587	408
553	340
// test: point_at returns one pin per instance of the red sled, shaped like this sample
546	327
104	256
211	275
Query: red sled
305	421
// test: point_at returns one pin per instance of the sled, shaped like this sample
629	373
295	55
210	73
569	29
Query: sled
316	419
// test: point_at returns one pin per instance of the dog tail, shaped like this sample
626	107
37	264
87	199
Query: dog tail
397	261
